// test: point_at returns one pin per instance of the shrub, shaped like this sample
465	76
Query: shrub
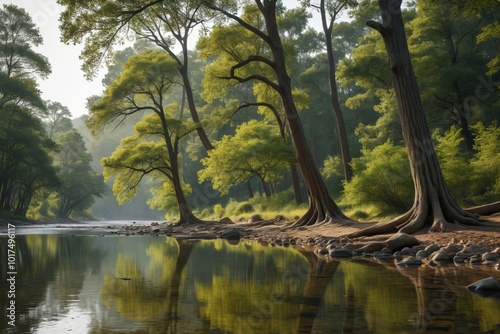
382	178
455	166
218	210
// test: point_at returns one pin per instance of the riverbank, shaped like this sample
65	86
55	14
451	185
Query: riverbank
458	244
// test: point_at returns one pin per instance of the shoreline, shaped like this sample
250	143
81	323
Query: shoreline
459	244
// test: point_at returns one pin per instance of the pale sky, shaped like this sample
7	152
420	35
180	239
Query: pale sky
67	84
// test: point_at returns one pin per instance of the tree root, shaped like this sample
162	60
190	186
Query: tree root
418	217
486	209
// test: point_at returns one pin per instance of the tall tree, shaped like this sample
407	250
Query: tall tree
433	203
142	88
168	24
25	166
322	208
329	11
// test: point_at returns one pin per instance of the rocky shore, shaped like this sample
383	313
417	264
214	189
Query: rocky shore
461	246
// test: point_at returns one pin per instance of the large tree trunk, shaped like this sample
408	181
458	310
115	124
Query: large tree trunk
433	203
322	208
334	96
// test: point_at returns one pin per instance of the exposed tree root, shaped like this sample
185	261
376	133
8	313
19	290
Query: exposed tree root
320	212
421	215
486	209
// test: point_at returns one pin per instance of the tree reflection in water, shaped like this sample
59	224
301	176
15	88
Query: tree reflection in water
164	285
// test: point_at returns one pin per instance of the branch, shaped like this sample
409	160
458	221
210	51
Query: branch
253	77
244	24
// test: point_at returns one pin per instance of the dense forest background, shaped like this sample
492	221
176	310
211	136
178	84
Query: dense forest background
178	106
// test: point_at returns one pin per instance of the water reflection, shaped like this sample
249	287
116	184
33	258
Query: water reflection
92	284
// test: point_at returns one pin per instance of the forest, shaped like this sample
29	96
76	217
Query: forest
316	110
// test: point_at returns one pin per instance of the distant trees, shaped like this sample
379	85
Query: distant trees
25	166
43	167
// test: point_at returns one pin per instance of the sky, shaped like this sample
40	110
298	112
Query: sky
67	83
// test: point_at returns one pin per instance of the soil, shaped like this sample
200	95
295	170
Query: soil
487	239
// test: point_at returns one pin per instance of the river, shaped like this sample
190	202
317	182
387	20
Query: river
76	279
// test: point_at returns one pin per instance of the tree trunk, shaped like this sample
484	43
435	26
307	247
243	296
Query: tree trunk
192	108
322	208
433	203
334	96
186	216
296	185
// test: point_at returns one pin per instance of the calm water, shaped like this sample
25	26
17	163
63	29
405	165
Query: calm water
87	283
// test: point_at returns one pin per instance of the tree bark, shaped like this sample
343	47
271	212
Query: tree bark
186	216
334	96
322	208
433	203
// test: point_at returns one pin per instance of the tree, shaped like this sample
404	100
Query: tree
165	23
223	51
143	87
25	166
449	77
329	12
491	32
322	208
255	150
57	119
433	202
79	184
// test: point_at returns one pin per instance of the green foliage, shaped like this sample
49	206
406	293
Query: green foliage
218	210
457	171
382	179
486	163
333	173
255	150
79	183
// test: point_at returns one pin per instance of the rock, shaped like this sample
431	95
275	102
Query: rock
225	220
254	219
386	250
440	255
458	259
231	234
400	241
485	287
452	248
431	249
155	224
489	257
371	247
411	261
340	252
473	259
406	251
496	250
422	254
323	251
